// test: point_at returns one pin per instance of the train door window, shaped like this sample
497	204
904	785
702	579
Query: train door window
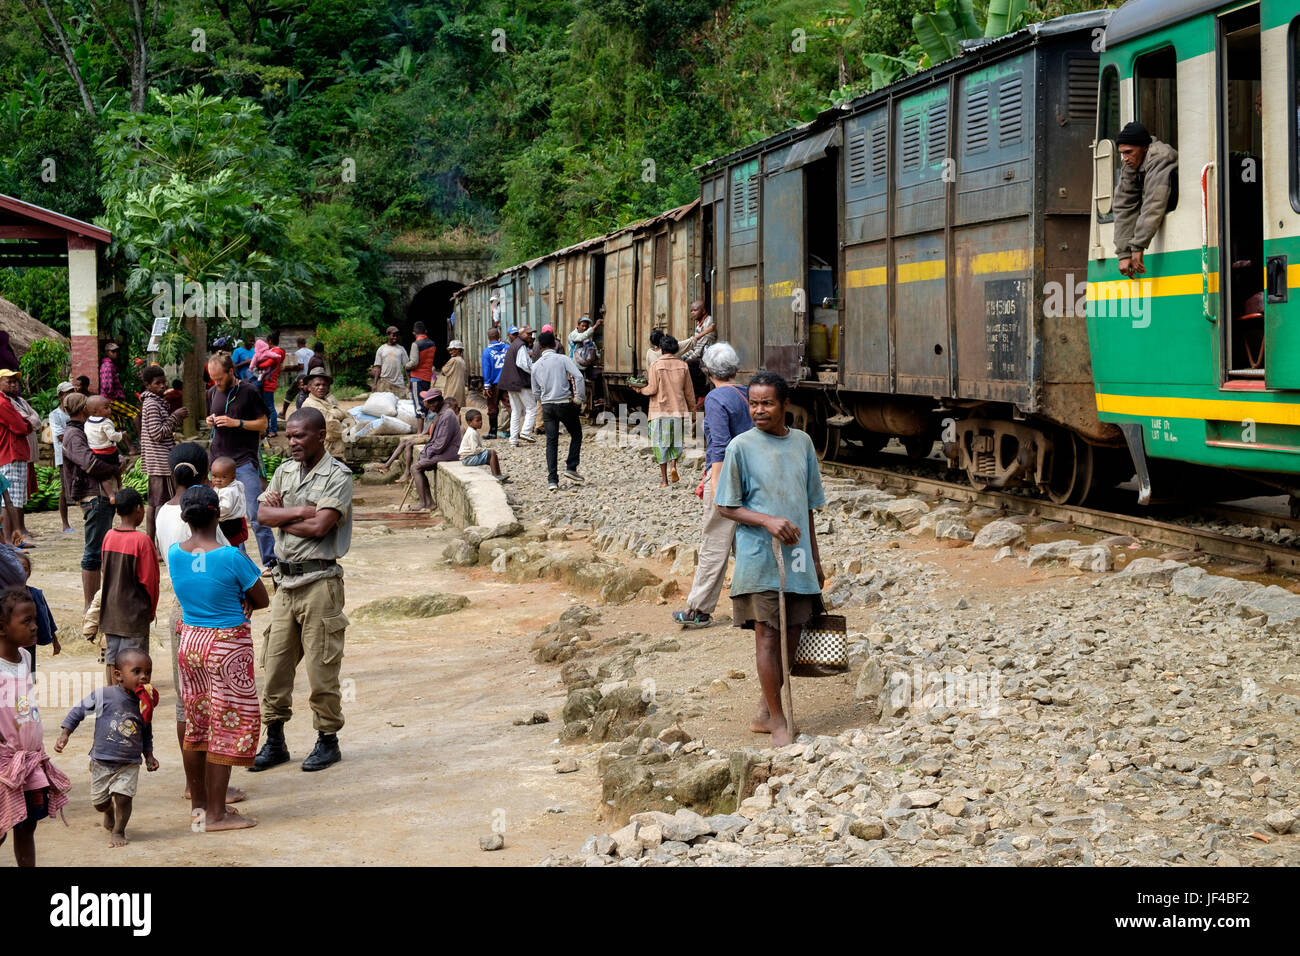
1155	75
661	256
1241	149
1107	129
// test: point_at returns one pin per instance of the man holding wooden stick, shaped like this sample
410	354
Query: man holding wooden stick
770	485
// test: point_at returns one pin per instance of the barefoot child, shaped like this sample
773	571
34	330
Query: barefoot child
31	788
472	452
123	733
770	485
102	438
234	509
129	590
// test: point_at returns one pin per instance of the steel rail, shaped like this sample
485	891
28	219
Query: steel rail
1270	556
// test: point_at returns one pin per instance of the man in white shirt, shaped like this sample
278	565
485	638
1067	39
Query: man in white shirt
390	366
303	354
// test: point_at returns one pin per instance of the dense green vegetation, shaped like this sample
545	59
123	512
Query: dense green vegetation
305	142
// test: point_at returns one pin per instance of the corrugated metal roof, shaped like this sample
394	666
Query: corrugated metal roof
975	49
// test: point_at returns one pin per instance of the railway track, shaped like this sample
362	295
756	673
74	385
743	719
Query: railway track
1272	557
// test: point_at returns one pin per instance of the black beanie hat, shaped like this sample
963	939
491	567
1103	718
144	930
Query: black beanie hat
1134	134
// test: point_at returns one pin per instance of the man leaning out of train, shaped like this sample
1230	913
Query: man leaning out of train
1148	183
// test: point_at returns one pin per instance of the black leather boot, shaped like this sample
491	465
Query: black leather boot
275	751
324	754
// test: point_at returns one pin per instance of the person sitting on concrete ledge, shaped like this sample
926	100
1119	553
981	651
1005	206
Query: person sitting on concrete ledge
472	452
444	443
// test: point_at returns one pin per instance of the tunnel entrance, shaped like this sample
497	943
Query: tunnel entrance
432	306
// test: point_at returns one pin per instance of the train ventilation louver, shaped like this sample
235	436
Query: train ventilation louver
937	134
737	201
1010	114
857	159
977	120
1082	90
879	150
912	142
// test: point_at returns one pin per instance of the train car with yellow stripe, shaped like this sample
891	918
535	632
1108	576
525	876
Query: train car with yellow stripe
1197	360
916	262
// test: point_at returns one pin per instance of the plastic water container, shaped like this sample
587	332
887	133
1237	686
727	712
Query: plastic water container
833	346
817	342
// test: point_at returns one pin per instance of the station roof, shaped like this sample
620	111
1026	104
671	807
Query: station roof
32	235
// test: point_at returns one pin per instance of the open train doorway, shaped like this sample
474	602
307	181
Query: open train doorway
432	306
1241	136
823	250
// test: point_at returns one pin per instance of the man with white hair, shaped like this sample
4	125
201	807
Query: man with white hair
726	415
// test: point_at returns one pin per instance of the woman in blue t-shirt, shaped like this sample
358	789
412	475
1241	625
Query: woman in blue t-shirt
218	587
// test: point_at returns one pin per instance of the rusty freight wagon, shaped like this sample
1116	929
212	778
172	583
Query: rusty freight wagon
900	258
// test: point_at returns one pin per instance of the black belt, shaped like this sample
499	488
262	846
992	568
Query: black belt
304	567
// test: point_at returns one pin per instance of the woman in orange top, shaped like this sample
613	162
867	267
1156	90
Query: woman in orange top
672	400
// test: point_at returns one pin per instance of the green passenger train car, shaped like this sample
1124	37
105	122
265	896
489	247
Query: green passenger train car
1198	359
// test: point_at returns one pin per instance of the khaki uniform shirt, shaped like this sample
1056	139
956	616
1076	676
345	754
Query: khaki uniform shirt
335	419
328	485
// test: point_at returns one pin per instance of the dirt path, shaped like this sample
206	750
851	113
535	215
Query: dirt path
431	759
430	756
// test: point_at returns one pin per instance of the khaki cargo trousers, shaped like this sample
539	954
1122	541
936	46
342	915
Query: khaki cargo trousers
307	622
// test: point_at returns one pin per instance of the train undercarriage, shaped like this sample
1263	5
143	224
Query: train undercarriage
994	448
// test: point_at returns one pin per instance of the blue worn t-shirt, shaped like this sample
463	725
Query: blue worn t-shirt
779	477
211	585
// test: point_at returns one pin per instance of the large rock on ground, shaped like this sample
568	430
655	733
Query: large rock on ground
461	553
581	704
1092	558
1151	571
420	605
999	533
622	584
629	703
702	786
1050	551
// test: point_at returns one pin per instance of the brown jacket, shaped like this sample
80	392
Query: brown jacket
670	390
1143	196
85	468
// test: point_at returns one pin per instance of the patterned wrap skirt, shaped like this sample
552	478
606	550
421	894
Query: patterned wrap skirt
667	435
219	692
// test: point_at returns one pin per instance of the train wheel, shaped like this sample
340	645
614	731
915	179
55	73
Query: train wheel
1072	471
978	482
828	443
918	446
